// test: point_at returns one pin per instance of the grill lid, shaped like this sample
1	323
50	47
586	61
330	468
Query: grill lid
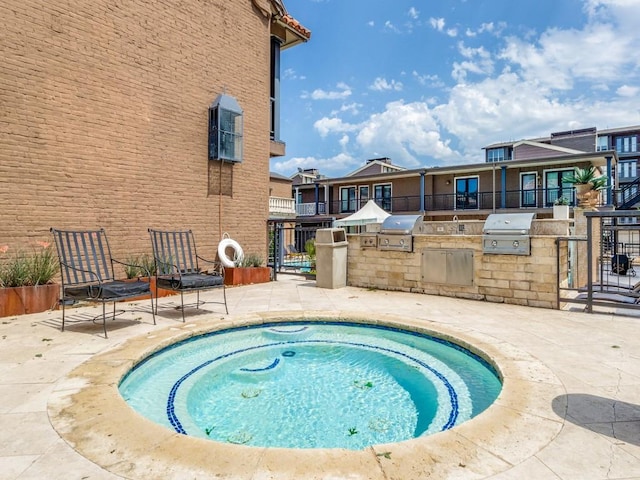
508	224
401	224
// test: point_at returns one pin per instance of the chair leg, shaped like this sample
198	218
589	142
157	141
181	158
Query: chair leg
63	302
152	312
224	294
104	317
197	299
182	305
154	318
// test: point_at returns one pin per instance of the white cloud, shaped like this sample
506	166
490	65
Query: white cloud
428	80
353	108
391	27
343	92
408	133
371	23
413	13
290	74
628	91
437	23
452	32
327	125
344	141
380	84
331	166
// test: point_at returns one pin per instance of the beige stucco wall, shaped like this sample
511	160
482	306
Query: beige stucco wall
518	279
104	120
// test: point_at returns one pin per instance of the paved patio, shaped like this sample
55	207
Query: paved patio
591	396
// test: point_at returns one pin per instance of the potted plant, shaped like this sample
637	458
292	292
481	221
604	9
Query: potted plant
250	269
310	248
588	184
144	268
561	208
26	281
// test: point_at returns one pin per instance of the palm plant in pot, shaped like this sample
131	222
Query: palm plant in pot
588	184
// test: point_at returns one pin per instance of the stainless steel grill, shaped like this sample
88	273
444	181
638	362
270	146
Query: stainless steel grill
507	234
396	232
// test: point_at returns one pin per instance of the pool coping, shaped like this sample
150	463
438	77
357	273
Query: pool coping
89	413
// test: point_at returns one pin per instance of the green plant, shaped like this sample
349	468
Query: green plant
252	260
139	266
310	248
561	201
26	270
585	176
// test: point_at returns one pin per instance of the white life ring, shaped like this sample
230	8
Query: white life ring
225	259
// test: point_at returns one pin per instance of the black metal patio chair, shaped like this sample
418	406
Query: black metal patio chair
88	273
178	267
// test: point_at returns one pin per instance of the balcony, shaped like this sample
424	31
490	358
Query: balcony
309	209
444	203
280	207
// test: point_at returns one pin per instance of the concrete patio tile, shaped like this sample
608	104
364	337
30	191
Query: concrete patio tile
25	434
531	468
24	397
569	410
577	453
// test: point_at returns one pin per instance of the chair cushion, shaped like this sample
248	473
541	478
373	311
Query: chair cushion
113	290
190	281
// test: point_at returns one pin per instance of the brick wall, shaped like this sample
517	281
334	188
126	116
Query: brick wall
517	279
104	119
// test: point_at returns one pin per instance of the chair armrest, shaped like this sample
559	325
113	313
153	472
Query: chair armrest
141	267
217	267
90	272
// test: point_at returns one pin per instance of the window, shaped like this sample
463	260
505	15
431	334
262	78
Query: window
225	129
628	169
528	192
602	143
466	193
275	89
557	185
382	195
347	199
498	154
627	144
364	194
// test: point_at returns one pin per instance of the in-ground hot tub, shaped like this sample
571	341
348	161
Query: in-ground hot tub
312	384
88	411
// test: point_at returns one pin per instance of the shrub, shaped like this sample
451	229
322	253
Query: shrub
22	270
251	260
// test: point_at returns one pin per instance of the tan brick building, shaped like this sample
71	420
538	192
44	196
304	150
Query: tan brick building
104	118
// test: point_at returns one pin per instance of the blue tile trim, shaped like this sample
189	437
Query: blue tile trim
273	365
277	330
177	425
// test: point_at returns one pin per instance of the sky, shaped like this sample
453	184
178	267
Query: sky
430	83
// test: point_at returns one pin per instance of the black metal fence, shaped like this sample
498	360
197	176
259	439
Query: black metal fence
600	270
292	245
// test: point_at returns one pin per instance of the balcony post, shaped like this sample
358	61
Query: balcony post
317	196
609	184
422	173
503	187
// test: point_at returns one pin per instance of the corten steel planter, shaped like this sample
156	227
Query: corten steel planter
30	299
152	285
246	275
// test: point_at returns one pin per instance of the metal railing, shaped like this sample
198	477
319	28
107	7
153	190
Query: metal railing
511	199
599	271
